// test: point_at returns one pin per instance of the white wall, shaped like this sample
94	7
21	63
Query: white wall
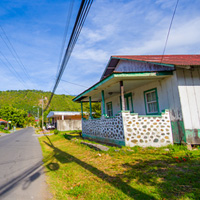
168	97
189	90
69	125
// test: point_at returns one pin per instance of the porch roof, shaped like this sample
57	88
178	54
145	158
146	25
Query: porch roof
161	60
62	113
111	87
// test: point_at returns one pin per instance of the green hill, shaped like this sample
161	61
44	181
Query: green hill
28	100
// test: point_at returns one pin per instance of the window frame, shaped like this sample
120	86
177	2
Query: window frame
109	103
126	101
146	103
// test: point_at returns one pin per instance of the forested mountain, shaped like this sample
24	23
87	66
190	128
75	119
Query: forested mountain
28	100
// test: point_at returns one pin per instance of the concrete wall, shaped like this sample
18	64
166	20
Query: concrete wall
69	125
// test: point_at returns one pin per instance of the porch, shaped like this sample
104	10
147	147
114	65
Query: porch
123	126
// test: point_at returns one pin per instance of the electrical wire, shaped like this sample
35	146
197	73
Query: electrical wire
10	66
65	33
73	83
80	19
13	52
169	30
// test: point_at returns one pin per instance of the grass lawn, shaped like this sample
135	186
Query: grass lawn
75	171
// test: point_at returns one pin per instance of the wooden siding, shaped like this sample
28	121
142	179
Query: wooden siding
189	90
134	66
168	97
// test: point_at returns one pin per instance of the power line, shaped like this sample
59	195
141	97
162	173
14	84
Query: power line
65	33
169	30
80	19
15	72
73	83
13	52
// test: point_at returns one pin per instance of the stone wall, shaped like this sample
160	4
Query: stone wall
69	125
147	130
130	129
105	129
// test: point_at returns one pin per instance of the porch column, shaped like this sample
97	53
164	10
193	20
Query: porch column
62	117
103	102
90	107
81	109
122	94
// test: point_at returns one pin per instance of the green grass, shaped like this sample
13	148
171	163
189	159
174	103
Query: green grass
75	171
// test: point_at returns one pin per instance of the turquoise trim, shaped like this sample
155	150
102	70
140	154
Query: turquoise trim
111	108
192	136
90	107
159	115
126	96
106	140
81	109
145	101
119	75
120	102
103	102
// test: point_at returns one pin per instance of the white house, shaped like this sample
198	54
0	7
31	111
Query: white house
65	120
148	100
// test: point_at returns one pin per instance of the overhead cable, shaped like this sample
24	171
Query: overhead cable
169	30
73	83
65	33
80	19
10	66
13	52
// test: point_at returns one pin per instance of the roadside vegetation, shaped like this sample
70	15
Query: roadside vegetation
4	129
76	171
29	102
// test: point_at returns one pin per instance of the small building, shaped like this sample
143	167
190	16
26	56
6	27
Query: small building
3	122
150	100
65	120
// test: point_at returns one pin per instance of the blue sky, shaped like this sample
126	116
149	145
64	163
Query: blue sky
120	27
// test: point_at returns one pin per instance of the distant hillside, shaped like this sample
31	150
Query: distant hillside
27	99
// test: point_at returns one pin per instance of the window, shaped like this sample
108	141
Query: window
109	109
128	100
151	101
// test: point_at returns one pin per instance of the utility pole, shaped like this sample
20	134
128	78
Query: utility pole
42	114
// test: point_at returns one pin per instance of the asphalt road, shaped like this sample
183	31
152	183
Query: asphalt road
21	173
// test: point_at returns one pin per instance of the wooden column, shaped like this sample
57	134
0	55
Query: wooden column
81	109
103	102
90	107
122	94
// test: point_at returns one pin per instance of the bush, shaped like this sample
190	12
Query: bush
6	131
56	131
1	127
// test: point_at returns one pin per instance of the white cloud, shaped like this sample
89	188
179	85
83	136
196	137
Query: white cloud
112	27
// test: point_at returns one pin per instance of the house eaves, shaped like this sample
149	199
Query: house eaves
116	76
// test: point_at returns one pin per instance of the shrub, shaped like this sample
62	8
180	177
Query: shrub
56	131
6	131
1	127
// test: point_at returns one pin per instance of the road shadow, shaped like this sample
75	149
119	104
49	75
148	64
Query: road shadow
26	178
115	181
172	180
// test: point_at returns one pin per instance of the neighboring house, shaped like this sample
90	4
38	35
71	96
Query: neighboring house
3	122
65	120
148	100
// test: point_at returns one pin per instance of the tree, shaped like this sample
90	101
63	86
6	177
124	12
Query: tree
17	117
